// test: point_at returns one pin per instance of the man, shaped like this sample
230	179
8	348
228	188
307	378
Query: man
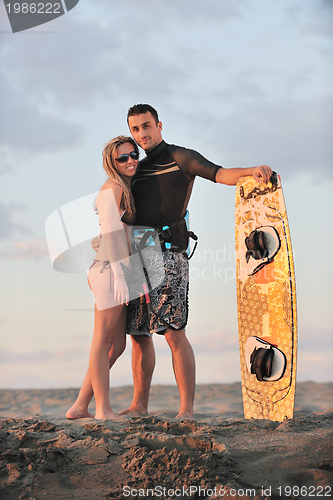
161	188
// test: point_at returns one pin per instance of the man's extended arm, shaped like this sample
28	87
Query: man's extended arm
230	176
193	163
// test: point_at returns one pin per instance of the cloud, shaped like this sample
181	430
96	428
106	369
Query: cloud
9	228
28	128
40	357
33	357
186	64
42	83
187	11
96	56
315	341
13	248
314	18
292	136
5	169
216	341
33	249
97	63
315	366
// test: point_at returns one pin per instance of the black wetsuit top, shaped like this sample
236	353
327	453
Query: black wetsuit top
163	183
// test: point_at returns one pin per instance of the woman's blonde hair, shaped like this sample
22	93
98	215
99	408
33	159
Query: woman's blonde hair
109	165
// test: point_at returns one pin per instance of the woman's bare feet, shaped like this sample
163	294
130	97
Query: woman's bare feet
185	414
75	413
105	415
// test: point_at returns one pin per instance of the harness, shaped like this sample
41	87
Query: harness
173	237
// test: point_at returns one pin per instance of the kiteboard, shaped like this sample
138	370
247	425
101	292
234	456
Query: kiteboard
266	300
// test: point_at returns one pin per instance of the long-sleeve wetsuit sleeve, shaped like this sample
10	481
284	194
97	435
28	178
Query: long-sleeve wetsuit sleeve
193	163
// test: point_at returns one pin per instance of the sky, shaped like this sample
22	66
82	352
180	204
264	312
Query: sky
244	82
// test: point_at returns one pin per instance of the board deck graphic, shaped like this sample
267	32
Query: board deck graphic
266	300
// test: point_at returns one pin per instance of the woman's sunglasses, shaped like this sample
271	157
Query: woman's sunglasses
125	157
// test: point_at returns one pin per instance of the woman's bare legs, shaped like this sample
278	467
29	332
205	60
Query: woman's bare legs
109	340
109	328
80	407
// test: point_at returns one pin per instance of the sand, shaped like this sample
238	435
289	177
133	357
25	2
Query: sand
217	454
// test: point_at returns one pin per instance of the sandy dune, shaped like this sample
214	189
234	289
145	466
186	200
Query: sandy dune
217	454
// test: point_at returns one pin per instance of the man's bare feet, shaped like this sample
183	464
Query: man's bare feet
75	413
134	412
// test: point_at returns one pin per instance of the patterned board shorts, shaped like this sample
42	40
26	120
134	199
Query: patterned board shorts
169	300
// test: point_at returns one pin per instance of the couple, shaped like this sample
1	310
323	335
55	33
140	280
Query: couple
154	193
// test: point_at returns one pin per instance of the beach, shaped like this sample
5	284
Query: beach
217	454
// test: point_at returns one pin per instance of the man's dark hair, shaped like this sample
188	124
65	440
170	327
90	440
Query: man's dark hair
139	109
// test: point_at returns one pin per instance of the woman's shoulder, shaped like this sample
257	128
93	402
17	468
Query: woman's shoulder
110	190
111	184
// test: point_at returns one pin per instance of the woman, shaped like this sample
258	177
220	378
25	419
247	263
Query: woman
115	209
